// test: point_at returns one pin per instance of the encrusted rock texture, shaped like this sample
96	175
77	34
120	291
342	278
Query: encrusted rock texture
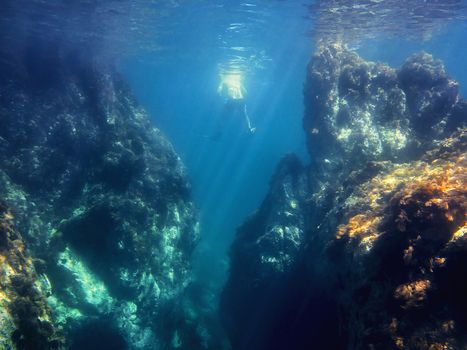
402	253
100	196
26	320
364	248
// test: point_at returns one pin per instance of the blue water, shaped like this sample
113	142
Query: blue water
174	55
450	46
268	43
229	173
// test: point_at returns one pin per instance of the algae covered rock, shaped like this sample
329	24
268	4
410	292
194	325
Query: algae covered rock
381	215
359	111
264	254
26	320
401	255
100	194
268	300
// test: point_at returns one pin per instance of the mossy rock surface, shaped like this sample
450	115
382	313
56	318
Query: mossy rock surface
26	320
364	247
98	192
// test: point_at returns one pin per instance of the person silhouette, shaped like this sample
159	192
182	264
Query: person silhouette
233	92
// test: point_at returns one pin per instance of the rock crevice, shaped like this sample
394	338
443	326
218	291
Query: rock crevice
379	217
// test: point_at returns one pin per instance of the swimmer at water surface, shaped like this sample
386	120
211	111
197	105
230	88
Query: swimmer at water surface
232	90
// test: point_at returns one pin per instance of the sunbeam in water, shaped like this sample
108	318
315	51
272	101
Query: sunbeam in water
212	174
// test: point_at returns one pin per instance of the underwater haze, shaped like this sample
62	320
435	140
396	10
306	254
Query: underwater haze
214	174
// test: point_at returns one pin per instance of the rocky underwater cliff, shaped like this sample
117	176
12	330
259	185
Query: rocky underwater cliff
103	207
365	247
362	248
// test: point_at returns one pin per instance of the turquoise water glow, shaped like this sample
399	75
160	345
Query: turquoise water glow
224	81
268	45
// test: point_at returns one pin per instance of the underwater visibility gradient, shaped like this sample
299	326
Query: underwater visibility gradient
233	175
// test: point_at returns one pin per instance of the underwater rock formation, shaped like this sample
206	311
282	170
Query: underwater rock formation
100	196
401	253
25	317
261	262
359	111
380	217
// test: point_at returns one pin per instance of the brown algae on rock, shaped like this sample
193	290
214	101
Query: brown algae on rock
25	317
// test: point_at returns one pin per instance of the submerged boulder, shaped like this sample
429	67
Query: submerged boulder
380	216
100	195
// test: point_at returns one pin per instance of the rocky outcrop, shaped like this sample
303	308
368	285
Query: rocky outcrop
401	252
100	195
25	318
379	214
263	257
359	111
